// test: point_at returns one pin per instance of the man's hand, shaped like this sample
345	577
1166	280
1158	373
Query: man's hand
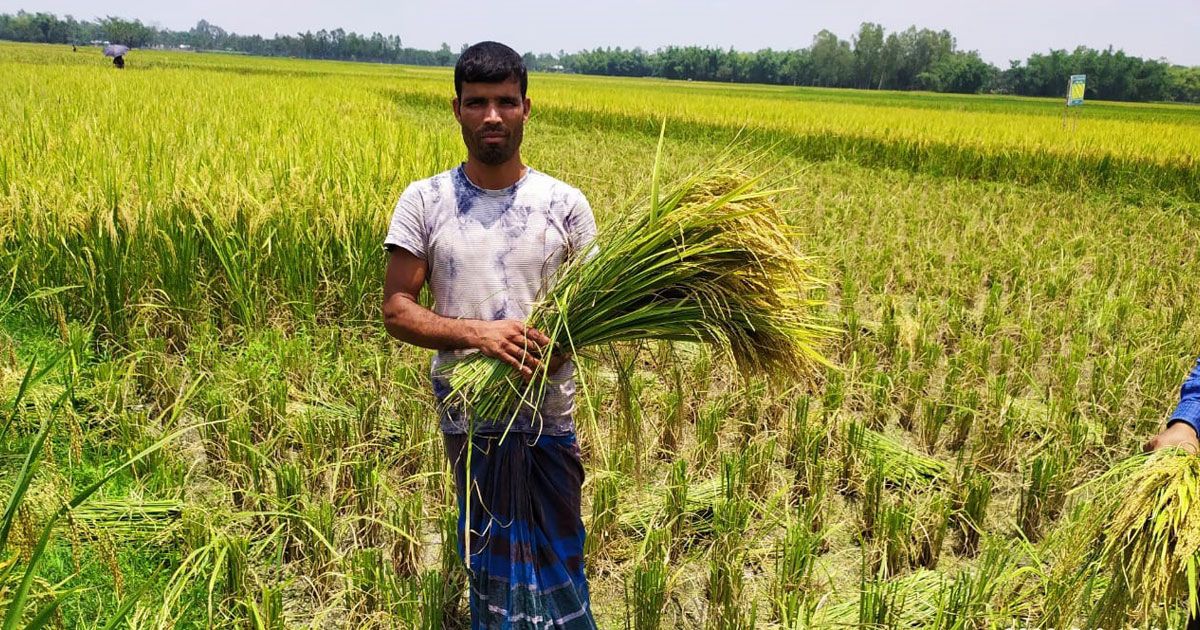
1178	434
513	342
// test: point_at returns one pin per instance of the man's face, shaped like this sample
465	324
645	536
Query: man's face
492	116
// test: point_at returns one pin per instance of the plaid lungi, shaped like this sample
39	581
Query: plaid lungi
524	546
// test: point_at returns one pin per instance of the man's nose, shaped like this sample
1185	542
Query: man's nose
492	115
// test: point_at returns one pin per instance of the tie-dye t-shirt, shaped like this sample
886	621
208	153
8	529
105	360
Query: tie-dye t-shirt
491	255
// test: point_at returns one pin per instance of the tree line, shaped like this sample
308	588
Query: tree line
912	59
336	44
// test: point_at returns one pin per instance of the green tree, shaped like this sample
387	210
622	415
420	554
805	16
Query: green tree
132	33
1184	84
444	56
868	56
832	60
962	72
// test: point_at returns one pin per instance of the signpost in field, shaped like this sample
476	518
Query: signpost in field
1075	88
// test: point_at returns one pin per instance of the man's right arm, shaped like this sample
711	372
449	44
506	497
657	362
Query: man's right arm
405	319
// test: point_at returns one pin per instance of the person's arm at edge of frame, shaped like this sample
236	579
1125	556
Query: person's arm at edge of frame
1183	429
405	319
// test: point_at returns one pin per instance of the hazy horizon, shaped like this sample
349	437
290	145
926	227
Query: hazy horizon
1153	29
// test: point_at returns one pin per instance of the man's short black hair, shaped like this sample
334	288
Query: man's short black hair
489	62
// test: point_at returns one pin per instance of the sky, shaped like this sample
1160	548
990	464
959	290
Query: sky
1001	30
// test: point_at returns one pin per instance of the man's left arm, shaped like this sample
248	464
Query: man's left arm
581	229
581	237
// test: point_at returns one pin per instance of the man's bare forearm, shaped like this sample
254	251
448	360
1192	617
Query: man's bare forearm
508	340
410	322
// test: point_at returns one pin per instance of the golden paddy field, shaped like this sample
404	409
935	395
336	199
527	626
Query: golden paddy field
190	278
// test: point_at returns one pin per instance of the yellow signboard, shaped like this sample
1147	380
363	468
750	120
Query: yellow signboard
1075	92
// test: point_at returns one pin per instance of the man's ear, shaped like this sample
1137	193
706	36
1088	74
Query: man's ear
454	104
525	118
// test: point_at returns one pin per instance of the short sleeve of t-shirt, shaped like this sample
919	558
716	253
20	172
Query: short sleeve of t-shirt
581	226
407	228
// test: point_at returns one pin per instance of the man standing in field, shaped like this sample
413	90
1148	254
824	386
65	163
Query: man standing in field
487	236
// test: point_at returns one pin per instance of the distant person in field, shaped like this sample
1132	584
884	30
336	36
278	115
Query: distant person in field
487	237
1183	428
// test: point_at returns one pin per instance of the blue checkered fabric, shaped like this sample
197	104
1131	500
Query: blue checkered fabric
523	541
1188	409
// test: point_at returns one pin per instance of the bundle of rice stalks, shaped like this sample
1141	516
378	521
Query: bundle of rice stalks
907	601
640	514
901	465
710	260
1141	534
155	521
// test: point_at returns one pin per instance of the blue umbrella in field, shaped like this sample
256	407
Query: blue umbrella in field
117	52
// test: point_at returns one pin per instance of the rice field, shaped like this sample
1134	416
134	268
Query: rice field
205	424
